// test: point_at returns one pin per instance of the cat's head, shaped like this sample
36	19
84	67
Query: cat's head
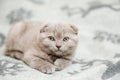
59	39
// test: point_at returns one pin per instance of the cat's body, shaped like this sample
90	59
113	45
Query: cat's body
45	47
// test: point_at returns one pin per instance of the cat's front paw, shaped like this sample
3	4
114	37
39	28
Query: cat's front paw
61	64
47	68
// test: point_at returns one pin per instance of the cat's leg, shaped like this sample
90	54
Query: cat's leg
39	63
61	63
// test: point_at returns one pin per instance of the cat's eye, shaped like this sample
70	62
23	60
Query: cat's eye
66	39
51	38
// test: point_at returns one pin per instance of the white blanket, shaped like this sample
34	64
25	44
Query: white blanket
98	53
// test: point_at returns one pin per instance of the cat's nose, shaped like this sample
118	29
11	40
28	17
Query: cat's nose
58	46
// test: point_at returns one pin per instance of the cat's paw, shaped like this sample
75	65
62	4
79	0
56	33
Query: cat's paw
47	68
61	64
41	65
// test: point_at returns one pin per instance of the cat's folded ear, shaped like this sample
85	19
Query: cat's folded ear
43	28
75	29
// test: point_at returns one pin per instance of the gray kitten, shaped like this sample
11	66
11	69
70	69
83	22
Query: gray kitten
45	47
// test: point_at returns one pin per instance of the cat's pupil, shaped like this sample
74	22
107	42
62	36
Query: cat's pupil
51	38
66	39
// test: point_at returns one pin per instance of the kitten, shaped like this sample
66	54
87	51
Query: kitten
45	47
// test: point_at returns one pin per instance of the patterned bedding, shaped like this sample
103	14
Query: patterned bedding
98	53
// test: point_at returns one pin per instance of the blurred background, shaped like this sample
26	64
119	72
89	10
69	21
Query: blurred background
98	22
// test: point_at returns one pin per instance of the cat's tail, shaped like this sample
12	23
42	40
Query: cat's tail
14	53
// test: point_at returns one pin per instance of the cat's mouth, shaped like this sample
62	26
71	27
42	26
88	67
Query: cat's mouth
59	50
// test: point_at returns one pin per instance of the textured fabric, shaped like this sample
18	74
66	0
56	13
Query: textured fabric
98	53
